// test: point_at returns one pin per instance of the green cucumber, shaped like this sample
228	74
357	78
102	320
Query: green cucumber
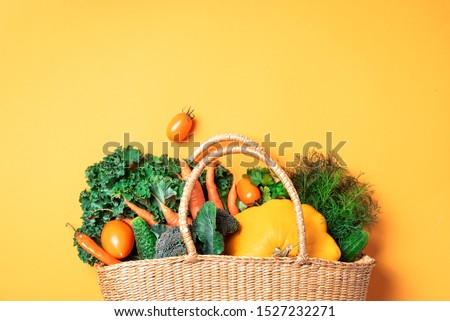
353	245
145	238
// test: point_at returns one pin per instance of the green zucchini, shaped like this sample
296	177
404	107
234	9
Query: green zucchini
352	246
145	238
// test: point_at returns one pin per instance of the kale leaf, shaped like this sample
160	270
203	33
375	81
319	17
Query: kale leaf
140	178
98	203
205	227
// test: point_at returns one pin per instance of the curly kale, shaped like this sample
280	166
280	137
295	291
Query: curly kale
126	173
154	176
98	202
140	178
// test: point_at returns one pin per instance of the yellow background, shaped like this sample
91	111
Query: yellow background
75	75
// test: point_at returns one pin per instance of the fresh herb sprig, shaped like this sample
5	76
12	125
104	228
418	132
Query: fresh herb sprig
346	201
264	180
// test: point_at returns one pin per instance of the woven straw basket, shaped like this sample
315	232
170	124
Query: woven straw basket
195	277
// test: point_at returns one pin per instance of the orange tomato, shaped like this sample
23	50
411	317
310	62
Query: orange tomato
247	192
180	126
117	239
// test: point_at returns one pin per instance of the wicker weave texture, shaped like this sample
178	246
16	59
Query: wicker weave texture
195	277
226	278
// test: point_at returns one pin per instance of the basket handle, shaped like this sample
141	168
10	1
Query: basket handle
250	151
247	142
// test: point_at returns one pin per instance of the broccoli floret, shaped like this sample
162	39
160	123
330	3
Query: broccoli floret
226	223
170	243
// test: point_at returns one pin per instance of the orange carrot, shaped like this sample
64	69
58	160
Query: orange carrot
197	198
127	220
171	217
232	197
89	245
185	169
211	188
146	215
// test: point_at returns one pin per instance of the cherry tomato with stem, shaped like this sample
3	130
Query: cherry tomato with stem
180	126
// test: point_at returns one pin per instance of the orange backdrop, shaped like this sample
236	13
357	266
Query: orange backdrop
75	75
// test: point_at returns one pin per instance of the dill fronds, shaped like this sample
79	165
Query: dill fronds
345	201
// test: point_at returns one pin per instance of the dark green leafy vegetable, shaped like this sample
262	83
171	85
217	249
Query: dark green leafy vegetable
345	201
205	227
157	176
98	202
278	190
207	231
260	176
127	173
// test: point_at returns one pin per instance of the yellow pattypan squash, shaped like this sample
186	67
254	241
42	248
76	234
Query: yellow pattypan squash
272	227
